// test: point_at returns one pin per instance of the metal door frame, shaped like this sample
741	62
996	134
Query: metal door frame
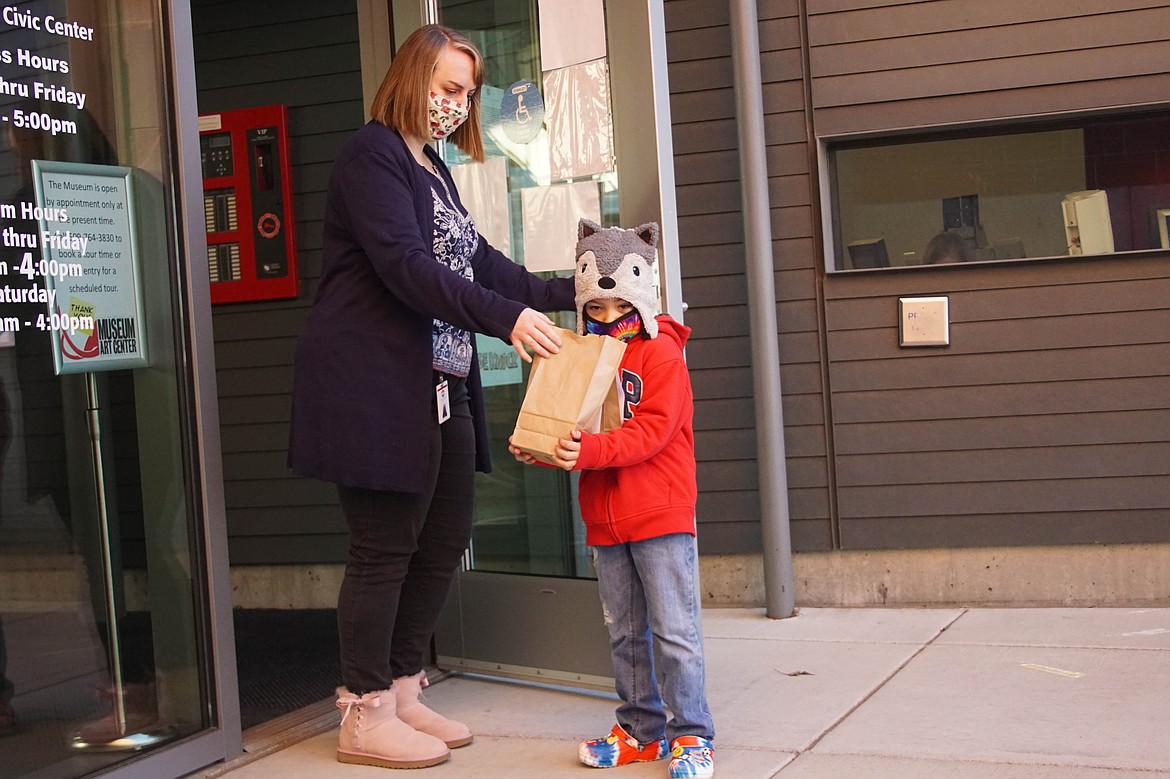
538	627
223	739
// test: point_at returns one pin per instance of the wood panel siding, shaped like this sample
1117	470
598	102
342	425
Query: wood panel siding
304	55
896	65
713	268
1046	421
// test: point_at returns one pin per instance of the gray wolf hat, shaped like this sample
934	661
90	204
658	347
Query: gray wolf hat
616	263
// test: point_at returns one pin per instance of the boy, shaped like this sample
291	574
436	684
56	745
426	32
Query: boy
637	494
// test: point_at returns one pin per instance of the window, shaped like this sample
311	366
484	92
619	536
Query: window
548	137
1094	187
97	478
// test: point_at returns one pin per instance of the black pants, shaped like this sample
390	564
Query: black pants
404	550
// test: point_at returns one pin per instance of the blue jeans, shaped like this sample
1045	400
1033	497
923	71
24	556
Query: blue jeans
650	588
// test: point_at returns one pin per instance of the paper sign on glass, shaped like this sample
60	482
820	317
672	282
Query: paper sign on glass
580	128
483	188
89	264
498	362
522	112
550	222
571	32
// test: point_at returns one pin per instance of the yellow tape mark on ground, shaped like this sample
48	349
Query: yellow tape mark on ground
1050	670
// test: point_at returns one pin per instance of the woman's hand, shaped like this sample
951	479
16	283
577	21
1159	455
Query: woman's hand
537	332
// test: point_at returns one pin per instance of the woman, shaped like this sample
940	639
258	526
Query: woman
387	401
946	247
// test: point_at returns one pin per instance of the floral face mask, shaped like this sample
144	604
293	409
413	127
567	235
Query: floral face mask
445	116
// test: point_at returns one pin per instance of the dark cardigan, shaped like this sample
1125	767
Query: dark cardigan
362	383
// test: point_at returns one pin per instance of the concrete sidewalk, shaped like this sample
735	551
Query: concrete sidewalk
874	693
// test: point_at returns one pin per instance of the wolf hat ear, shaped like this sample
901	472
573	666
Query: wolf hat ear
586	228
648	233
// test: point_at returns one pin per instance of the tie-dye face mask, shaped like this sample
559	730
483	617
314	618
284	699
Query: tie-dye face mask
622	329
445	116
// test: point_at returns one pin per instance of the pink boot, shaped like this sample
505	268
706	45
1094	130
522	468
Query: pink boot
414	713
372	734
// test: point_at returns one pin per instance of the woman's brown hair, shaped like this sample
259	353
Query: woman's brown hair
402	100
946	247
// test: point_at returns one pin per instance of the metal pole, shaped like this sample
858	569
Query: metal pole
757	238
119	738
99	476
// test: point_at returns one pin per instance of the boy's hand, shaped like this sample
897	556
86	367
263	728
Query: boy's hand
520	456
568	449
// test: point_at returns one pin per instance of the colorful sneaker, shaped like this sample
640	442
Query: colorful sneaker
691	756
619	748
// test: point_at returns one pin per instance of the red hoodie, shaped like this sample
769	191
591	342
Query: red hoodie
638	481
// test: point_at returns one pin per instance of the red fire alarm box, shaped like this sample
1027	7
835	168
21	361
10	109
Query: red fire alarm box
247	198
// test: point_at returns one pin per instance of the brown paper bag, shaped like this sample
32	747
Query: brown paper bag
575	389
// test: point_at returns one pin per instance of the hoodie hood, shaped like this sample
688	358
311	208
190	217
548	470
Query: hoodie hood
676	331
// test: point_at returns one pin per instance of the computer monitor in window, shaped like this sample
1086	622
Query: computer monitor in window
1009	249
869	253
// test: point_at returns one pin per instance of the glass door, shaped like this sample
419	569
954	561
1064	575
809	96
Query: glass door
106	647
569	127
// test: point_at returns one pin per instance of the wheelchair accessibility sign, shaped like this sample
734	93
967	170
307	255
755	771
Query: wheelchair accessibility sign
522	112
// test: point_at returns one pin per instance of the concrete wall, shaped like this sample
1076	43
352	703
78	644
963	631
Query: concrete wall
1117	575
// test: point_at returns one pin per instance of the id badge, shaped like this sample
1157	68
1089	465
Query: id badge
443	398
